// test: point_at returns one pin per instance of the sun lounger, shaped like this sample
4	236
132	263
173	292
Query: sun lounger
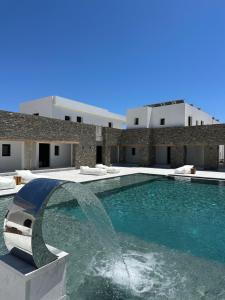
7	183
184	170
111	170
92	171
26	175
23	234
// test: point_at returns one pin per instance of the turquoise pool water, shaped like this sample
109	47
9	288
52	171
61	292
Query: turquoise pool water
189	217
172	236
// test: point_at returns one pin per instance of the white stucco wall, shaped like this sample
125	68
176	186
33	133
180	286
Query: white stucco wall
87	118
149	117
15	161
43	106
59	107
198	115
175	115
64	158
142	113
221	152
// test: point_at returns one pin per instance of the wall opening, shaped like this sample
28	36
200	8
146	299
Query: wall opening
44	155
168	155
99	155
221	156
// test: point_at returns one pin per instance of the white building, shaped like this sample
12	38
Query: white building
13	155
168	114
65	109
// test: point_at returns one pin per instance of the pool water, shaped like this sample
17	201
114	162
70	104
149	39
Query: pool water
171	234
188	217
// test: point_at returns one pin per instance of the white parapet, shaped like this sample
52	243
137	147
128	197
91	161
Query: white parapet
21	281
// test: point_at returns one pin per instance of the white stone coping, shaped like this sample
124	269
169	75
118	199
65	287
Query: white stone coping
20	280
74	175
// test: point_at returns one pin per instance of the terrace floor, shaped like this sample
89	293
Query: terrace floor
74	175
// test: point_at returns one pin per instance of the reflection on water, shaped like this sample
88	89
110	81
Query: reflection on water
156	272
170	233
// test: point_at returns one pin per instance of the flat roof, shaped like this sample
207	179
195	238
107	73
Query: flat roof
165	103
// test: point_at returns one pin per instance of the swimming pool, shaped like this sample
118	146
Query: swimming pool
171	234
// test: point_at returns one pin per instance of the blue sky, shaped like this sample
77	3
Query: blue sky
113	53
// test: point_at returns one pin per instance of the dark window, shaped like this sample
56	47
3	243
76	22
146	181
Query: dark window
189	121
202	122
6	150
162	122
27	223
196	123
79	119
67	118
110	124
136	121
133	150
56	150
36	114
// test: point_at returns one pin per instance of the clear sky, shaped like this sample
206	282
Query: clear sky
116	54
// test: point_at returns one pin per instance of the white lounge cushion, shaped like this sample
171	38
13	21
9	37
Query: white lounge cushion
184	170
23	239
111	170
92	171
23	229
101	166
26	175
7	183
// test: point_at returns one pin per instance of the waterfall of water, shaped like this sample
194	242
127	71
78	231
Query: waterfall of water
97	216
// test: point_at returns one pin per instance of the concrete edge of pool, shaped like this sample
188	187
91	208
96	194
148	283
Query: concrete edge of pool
75	176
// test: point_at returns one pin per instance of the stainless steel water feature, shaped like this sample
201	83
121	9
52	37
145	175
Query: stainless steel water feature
23	222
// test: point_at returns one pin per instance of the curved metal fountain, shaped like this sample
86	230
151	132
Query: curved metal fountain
23	222
24	237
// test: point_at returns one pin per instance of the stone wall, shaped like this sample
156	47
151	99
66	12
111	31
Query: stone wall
111	138
194	135
143	140
28	128
209	136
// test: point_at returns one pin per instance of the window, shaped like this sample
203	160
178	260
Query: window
56	150
133	151
36	114
189	121
136	121
67	118
27	223
196	123
79	119
6	150
162	121
110	124
202	122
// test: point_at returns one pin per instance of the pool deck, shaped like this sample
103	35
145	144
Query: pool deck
74	175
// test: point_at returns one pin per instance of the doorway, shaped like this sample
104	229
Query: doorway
98	154
168	155
44	155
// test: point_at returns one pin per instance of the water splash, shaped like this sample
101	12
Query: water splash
97	216
147	275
